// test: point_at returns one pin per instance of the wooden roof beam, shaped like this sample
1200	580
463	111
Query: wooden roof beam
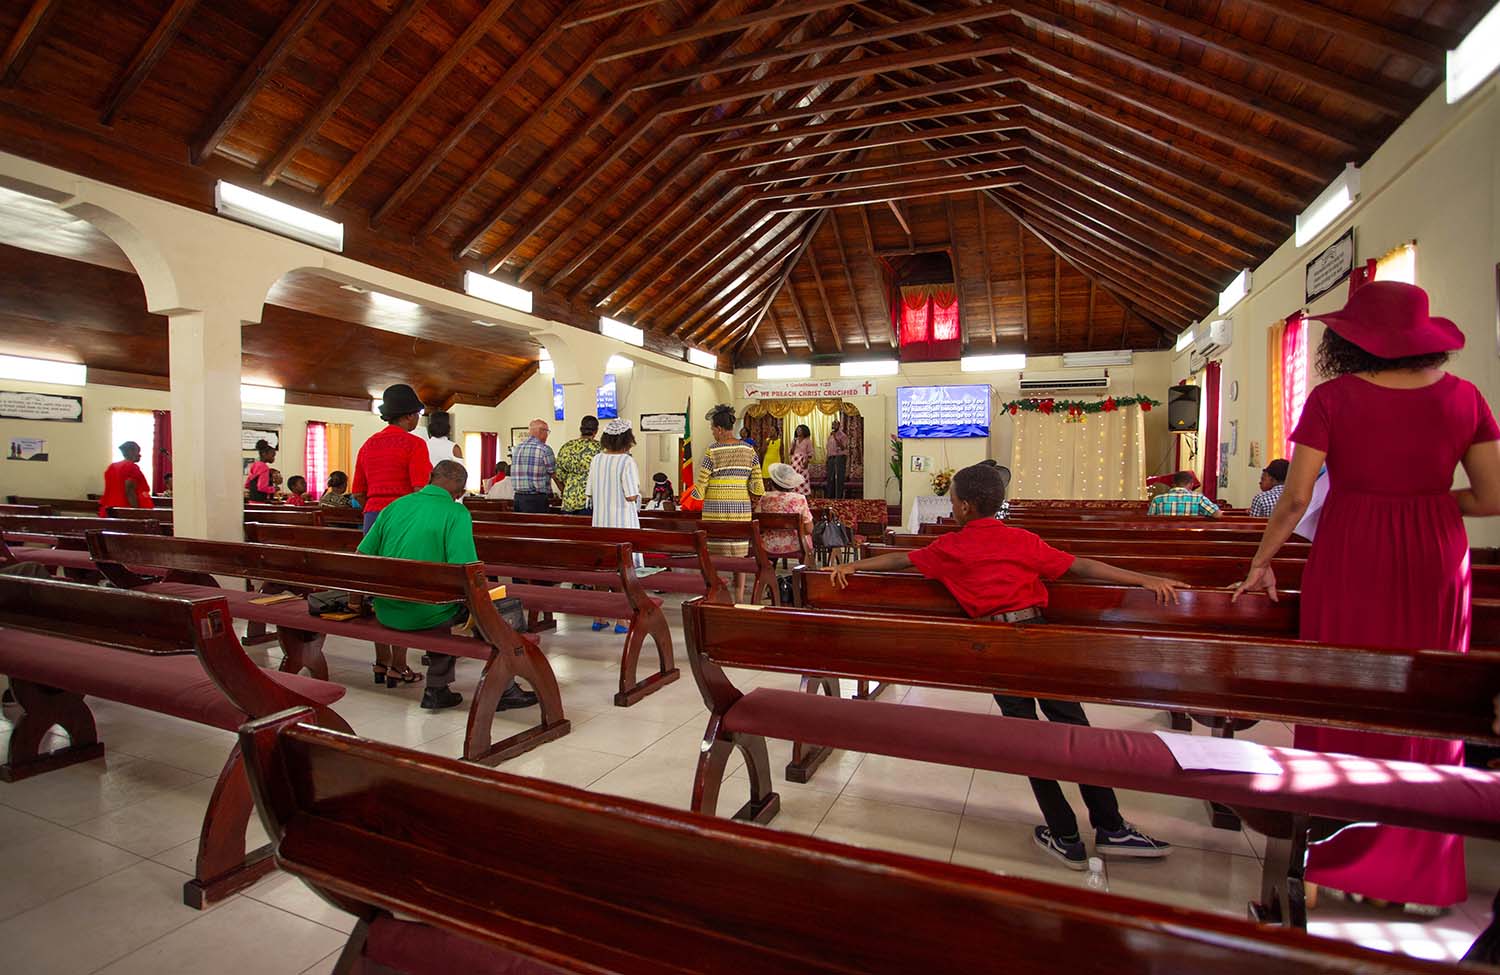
984	256
146	58
505	85
958	271
903	177
891	138
628	47
866	164
28	36
859	314
266	62
885	310
734	250
607	10
764	274
1021	263
939	188
1057	299
1402	43
395	121
776	322
877	141
833	325
349	79
872	100
1089	341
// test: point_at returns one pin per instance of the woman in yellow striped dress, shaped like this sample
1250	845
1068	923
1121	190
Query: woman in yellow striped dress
728	479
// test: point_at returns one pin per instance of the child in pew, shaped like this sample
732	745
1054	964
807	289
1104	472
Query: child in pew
995	572
296	490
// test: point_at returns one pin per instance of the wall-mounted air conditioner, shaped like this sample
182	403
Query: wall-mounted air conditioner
1212	342
1075	381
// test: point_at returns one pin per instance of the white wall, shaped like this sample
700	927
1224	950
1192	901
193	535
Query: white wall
1435	181
1150	374
78	452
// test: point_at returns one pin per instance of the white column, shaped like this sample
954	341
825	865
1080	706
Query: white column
207	495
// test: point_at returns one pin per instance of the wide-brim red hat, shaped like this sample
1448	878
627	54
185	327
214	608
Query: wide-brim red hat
1390	319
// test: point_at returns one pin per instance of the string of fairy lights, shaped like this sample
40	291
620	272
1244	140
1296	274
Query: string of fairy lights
1072	438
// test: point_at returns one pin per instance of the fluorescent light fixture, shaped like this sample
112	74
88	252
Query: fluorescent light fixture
488	289
1475	58
700	358
480	321
391	302
1323	211
870	367
617	363
1236	292
1014	362
1121	357
545	364
789	370
1184	339
619	330
23	369
262	395
258	210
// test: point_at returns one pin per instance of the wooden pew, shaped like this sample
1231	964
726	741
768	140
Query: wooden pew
58	505
496	872
186	566
756	564
62	641
1206	531
1104	547
283	515
1428	693
606	566
57	541
26	509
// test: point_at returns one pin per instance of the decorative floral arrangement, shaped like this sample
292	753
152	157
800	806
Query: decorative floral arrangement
942	480
1075	409
897	452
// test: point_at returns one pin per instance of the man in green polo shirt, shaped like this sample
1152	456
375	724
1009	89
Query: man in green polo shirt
429	526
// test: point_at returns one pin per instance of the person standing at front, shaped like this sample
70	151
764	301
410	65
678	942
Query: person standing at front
533	467
390	465
124	483
573	460
837	460
1389	565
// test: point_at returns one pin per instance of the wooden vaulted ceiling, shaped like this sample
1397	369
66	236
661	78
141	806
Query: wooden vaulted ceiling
726	173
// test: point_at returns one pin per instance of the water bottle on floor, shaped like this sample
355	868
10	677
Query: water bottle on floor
1096	879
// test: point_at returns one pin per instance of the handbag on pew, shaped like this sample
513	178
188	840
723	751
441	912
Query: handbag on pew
337	604
510	609
831	533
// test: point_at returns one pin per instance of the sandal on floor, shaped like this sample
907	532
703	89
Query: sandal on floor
380	672
396	676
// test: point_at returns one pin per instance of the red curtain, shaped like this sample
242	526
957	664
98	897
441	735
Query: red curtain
315	458
929	324
1293	374
161	449
1211	432
489	449
1361	276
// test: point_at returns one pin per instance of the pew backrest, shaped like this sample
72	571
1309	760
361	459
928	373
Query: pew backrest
545	871
73	505
67	526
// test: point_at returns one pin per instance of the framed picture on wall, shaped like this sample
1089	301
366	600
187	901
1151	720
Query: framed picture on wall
517	435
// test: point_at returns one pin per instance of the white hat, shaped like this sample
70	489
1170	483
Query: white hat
786	476
616	427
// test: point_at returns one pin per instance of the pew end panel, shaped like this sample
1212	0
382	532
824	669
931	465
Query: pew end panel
555	879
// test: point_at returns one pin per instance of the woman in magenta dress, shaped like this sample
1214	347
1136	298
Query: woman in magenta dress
801	458
1389	565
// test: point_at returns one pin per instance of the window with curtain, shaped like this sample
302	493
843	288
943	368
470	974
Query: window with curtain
138	426
929	326
161	449
315	458
340	451
1399	264
473	454
1286	381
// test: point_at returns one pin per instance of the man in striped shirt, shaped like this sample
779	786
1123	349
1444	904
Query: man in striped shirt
1182	501
1272	480
533	467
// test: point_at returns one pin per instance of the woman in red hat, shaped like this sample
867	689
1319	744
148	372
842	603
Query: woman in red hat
1389	566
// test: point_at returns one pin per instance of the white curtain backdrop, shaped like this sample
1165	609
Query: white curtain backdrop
1103	457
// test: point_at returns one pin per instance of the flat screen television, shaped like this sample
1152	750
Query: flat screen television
942	412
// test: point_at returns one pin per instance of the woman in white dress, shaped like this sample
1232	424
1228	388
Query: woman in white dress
440	445
614	490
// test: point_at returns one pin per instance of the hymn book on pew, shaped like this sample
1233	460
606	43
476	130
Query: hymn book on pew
1208	754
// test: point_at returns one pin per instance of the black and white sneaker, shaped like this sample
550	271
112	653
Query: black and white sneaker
1129	842
1071	852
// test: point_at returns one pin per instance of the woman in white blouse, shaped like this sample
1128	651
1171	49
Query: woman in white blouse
615	489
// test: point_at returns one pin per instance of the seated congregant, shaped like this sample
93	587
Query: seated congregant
501	487
166	484
995	572
336	493
781	497
1182	501
296	490
1272	482
428	526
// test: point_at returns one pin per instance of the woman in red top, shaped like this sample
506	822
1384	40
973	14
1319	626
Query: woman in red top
392	464
124	484
1389	565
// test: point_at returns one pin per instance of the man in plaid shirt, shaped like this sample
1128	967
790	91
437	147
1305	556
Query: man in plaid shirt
532	467
1272	480
1182	501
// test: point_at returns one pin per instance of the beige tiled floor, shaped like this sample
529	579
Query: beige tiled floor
95	855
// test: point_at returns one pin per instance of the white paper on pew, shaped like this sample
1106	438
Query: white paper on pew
1206	753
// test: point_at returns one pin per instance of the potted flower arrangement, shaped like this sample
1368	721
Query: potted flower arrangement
896	458
941	481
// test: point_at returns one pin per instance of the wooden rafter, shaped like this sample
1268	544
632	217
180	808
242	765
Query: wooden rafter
885	310
605	11
906	176
866	164
894	193
1057	298
984	256
738	260
26	38
872	100
1089	342
884	137
958	274
833	325
453	54
859	314
791	292
146	58
1340	24
1021	263
349	79
900	218
250	81
630	47
776	324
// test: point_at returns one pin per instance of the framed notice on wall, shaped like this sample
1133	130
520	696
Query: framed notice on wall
41	406
673	423
249	435
1332	267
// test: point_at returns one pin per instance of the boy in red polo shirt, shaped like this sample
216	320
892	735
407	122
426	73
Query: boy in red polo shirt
996	572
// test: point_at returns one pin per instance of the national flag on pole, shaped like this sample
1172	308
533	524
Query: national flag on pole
685	452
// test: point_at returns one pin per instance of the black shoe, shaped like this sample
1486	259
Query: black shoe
439	698
1070	851
514	699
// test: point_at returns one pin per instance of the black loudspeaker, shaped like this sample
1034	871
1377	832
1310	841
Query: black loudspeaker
1182	409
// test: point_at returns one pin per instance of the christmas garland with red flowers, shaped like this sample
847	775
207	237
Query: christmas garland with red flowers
1079	407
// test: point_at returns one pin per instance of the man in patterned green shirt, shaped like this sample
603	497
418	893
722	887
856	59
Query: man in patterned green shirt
1182	501
573	467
